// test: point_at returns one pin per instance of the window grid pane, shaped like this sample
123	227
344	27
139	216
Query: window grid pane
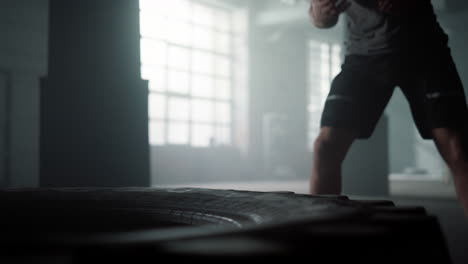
203	15
179	82
202	86
178	109
223	89
203	38
324	65
157	133
203	62
188	58
223	135
179	58
153	52
223	21
178	133
223	113
202	135
157	106
202	110
156	76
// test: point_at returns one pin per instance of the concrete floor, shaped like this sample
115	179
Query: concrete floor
443	205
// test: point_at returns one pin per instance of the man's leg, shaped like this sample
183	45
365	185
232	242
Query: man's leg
452	145
330	149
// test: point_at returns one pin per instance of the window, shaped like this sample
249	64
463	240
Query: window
191	56
324	65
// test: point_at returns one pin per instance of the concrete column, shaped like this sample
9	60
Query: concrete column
366	168
94	118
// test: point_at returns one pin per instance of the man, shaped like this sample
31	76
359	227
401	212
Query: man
390	43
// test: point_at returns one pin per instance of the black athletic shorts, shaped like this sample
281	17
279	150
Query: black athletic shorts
427	77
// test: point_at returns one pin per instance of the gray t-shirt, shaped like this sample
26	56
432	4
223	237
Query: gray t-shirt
370	31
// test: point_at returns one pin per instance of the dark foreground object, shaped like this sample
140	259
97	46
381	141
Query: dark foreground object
83	225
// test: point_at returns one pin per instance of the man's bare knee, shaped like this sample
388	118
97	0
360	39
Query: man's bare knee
452	145
324	144
333	143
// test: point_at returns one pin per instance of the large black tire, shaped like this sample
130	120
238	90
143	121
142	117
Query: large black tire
115	223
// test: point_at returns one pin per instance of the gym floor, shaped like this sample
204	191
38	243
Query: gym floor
446	208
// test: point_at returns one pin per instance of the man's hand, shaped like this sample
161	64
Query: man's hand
325	13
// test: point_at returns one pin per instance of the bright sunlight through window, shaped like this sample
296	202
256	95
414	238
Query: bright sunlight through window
324	65
190	54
